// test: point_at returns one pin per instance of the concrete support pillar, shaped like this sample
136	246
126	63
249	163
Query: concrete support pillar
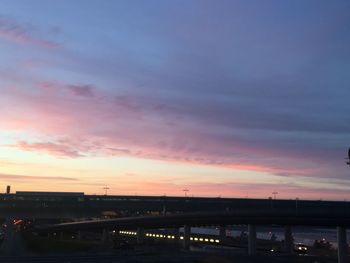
104	235
222	234
140	235
187	234
177	234
288	240
61	235
251	239
342	245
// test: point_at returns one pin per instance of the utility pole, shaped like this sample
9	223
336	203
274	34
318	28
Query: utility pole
185	190
106	188
274	194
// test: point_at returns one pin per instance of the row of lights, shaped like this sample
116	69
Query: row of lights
160	236
197	239
205	239
128	233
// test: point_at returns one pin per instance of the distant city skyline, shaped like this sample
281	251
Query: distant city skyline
220	98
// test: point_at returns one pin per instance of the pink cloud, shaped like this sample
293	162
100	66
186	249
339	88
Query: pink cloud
127	125
21	177
60	150
15	32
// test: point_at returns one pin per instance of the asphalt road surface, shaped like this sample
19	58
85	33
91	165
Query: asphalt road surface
13	244
170	257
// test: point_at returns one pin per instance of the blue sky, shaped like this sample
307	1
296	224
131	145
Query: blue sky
241	87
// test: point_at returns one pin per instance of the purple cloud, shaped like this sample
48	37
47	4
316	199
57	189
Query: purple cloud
12	31
82	90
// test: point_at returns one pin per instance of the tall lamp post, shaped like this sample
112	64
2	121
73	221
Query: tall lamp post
186	191
274	194
106	188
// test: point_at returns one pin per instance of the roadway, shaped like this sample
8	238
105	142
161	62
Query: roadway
164	255
61	259
53	205
289	218
13	243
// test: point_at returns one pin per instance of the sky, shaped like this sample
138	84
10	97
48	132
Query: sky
222	98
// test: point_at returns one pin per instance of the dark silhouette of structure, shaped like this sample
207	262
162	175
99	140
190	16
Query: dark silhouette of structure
152	212
251	217
348	162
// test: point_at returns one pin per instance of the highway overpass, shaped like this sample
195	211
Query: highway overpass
140	212
41	205
200	219
249	217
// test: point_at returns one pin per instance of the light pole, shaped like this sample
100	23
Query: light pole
106	188
185	190
274	194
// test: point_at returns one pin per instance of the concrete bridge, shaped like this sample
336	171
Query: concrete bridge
176	212
249	217
46	205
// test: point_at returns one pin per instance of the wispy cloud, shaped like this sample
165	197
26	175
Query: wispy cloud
57	149
82	90
32	177
15	32
130	125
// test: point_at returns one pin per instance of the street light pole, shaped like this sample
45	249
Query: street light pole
106	188
274	194
185	190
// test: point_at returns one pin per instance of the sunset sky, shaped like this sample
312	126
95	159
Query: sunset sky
223	98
